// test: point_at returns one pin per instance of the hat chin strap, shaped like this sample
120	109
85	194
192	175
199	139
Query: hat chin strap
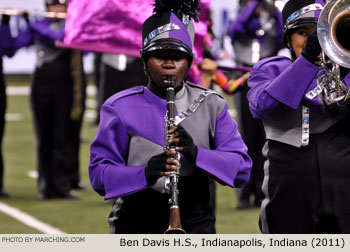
145	69
289	45
293	55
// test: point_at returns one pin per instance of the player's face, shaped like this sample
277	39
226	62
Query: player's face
162	63
299	38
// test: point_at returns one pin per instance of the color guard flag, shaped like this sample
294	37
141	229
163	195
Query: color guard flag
115	26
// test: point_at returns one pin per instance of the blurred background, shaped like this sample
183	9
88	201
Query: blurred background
23	61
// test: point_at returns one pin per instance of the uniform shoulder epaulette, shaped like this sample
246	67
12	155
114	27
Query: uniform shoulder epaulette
196	86
125	93
203	88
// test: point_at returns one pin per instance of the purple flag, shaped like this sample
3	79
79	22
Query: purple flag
115	26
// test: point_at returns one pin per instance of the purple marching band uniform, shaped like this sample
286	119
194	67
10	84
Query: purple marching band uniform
307	150
6	42
131	131
277	90
6	49
52	101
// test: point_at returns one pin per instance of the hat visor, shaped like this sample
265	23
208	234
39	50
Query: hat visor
304	22
167	44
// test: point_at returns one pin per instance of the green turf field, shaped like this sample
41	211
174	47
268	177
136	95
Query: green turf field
88	215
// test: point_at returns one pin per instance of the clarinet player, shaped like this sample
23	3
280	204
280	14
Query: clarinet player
128	163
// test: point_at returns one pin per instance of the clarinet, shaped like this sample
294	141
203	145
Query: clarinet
174	218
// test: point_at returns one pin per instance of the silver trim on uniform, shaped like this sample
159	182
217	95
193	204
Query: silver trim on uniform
193	107
265	190
306	9
305	135
159	30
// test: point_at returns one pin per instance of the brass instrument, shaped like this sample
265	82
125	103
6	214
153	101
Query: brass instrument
333	29
174	218
46	14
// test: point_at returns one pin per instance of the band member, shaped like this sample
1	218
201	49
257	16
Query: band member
57	99
128	162
307	149
256	33
58	103
6	48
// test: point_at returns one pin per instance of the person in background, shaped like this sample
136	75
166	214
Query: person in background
307	149
96	76
58	101
6	48
256	33
128	162
118	72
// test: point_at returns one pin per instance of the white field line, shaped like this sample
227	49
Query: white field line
91	103
16	117
33	174
28	220
91	90
17	90
25	90
16	213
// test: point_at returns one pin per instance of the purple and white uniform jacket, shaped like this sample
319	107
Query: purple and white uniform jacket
277	96
131	131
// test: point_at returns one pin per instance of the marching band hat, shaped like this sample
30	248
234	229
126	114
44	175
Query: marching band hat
299	13
171	28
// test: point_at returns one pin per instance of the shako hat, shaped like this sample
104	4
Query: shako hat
299	13
170	27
